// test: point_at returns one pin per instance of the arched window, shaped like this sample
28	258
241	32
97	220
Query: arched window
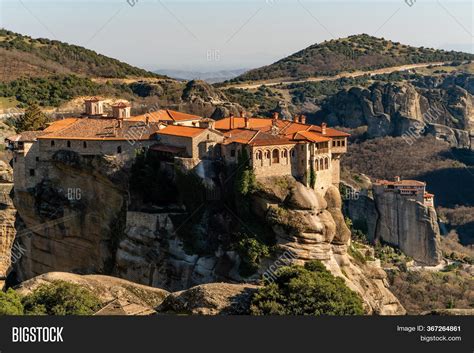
321	164
285	153
258	155
326	163
275	156
316	164
267	154
119	149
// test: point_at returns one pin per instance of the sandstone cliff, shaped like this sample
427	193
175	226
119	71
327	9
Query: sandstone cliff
437	106
95	234
399	221
7	221
71	234
311	227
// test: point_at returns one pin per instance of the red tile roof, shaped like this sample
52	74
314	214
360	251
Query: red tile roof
310	136
166	115
183	131
99	129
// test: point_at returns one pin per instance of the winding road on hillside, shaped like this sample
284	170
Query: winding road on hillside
386	70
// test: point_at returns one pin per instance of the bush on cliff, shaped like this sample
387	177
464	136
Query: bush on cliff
308	290
61	298
251	251
10	303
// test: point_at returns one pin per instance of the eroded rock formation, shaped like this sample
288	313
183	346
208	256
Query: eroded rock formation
399	221
443	108
312	228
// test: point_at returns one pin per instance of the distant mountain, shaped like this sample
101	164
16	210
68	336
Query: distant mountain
358	52
23	56
210	77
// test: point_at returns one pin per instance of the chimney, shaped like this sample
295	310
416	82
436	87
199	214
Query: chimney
302	119
231	119
147	120
323	128
397	179
119	123
275	115
247	122
121	110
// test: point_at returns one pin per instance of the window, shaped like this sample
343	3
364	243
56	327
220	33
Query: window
84	144
32	172
52	143
232	153
292	152
334	144
285	153
37	159
208	136
15	159
259	155
276	156
326	163
316	162
69	144
119	149
343	143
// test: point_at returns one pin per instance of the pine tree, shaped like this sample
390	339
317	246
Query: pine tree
33	119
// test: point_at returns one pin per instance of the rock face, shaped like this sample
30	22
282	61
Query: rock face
144	247
210	299
410	226
66	234
442	107
310	227
151	253
7	220
398	221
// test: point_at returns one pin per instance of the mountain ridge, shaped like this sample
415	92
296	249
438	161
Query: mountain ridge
357	52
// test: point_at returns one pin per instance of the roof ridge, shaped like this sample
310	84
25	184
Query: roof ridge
254	136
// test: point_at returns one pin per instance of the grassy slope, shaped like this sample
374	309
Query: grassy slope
358	52
23	55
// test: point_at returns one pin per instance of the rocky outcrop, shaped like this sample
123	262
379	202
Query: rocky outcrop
443	108
7	221
210	299
115	293
410	226
201	98
399	221
152	253
71	234
310	227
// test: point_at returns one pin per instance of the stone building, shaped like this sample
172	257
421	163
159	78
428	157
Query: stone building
275	147
281	147
412	189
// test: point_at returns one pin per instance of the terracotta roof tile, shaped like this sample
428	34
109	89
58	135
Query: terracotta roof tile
101	129
183	131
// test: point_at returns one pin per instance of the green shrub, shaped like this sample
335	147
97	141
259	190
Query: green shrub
251	251
61	298
10	303
308	290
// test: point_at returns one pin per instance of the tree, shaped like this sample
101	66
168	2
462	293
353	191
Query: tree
33	119
10	303
61	298
308	290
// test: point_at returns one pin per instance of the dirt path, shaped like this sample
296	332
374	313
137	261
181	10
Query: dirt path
386	70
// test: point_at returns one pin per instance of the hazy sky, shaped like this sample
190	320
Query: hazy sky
219	34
